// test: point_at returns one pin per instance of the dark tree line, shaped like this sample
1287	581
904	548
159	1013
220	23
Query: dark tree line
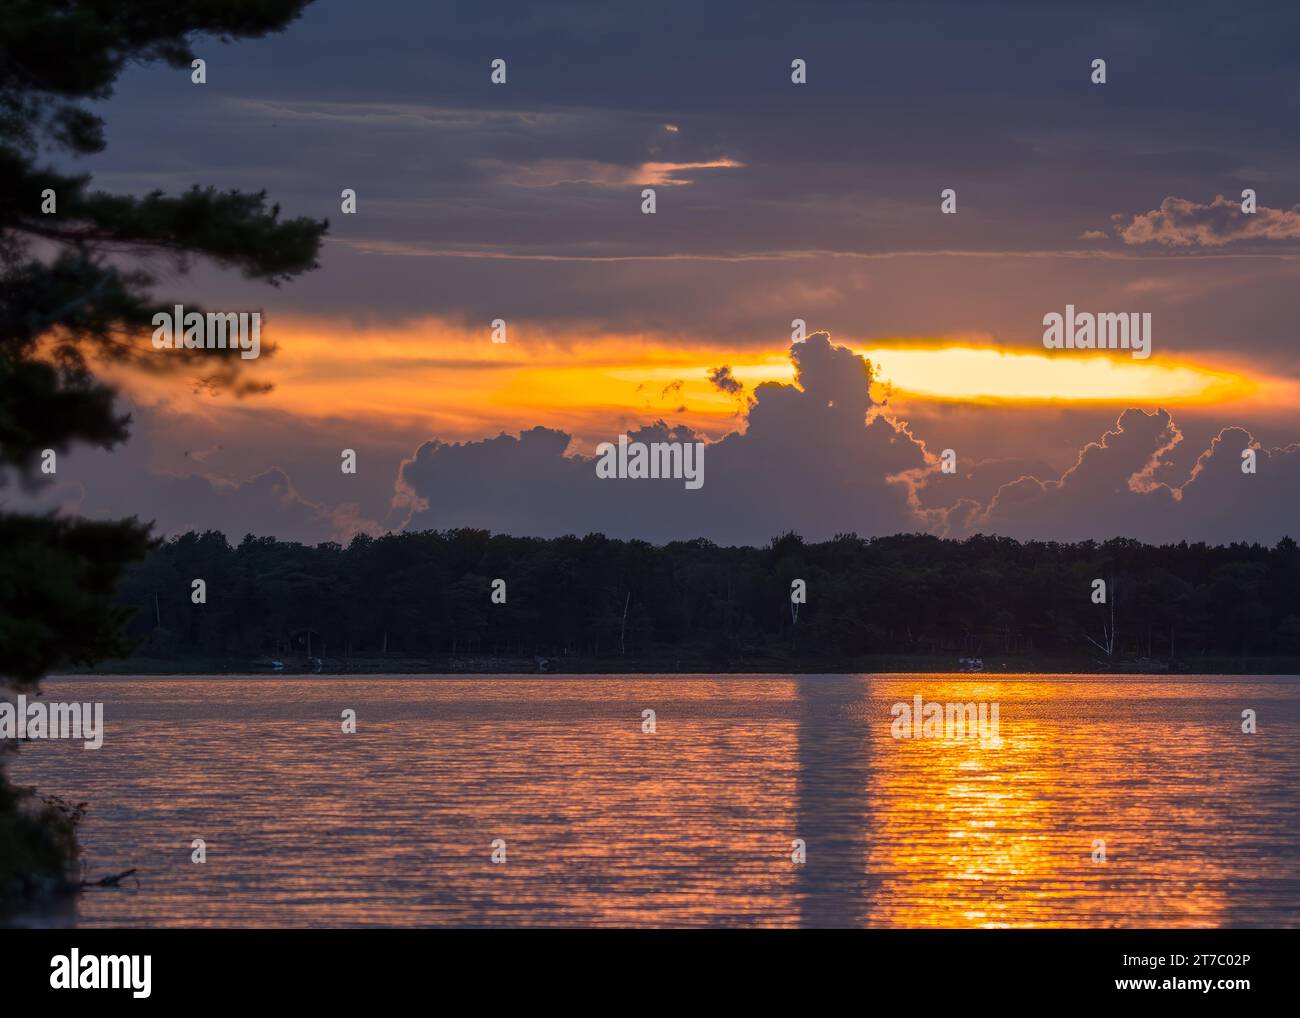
428	595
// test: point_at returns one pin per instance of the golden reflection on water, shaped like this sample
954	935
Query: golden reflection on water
968	834
691	825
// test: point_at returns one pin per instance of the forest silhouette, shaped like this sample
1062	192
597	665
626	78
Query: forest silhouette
422	601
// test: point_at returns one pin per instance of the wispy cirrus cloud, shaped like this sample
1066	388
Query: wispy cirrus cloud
413	115
554	172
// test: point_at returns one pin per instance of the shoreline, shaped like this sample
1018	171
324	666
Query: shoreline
462	666
714	675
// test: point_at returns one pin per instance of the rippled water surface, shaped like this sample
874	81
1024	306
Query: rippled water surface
694	824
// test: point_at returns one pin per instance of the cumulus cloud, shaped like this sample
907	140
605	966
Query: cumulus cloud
821	458
1179	222
818	456
127	481
267	504
978	482
809	458
1124	485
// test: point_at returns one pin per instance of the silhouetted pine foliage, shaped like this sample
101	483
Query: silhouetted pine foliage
67	300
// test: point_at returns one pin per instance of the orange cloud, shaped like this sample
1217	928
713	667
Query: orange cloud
1179	222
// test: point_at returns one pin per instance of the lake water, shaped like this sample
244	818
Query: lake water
693	824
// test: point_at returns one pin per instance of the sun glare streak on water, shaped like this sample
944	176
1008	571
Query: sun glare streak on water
693	825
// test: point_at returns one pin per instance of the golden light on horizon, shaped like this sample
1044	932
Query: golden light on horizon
461	385
979	374
982	374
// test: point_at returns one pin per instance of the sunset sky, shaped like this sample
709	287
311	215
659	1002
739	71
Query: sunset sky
775	201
